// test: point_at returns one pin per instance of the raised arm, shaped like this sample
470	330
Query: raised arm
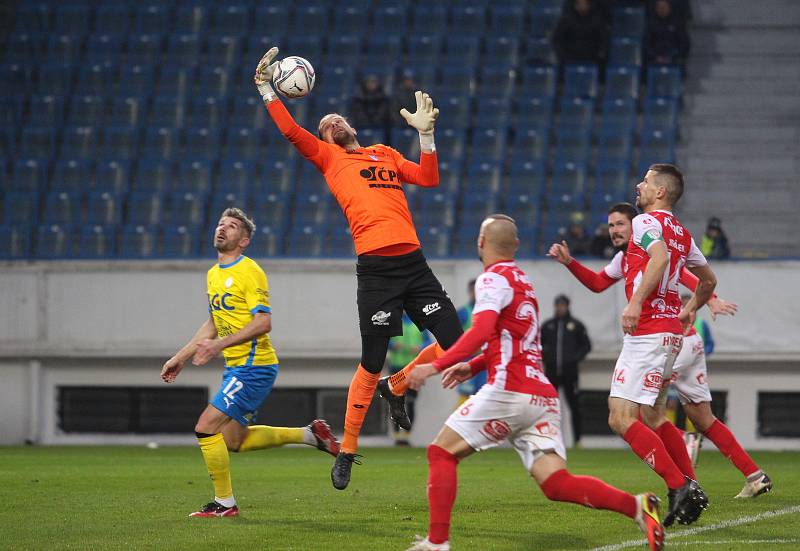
594	281
426	173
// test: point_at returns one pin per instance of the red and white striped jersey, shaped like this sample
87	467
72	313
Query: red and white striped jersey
513	352
661	308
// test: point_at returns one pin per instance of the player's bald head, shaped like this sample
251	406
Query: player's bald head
499	233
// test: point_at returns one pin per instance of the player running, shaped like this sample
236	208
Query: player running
392	273
517	403
689	374
238	326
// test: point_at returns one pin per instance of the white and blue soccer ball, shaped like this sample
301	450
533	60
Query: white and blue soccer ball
294	77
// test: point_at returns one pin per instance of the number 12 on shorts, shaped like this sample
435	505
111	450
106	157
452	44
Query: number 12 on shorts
233	386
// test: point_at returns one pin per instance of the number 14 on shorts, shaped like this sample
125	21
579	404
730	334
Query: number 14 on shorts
619	376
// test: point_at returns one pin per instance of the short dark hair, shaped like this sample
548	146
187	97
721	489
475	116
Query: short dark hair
673	180
561	298
247	222
624	208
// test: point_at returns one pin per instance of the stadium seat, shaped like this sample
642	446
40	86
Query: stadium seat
243	143
456	80
340	241
619	114
137	241
152	18
423	49
311	210
576	113
230	19
615	147
492	112
97	78
126	111
539	81
225	50
580	81
97	241
270	19
569	179
573	146
64	49
488	143
628	21
194	176
530	144
121	142
72	175
434	208
191	19
501	50
24	48
272	209
202	142
103	50
222	200
59	78
390	18
62	208
237	175
435	241
625	51
20	208
142	49
544	19
525	209
467	18
496	81
153	175
55	241
535	112
657	146
249	112
160	142
80	142
16	79
464	243
145	208
103	208
135	79
352	44
183	49
37	142
664	81
34	18
382	50
349	20
339	79
482	177
506	19
461	50
449	176
15	241
112	175
87	110
310	19
428	16
305	241
661	114
613	178
525	178
189	209
29	175
622	82
46	111
279	175
72	19
167	111
539	50
114	19
182	241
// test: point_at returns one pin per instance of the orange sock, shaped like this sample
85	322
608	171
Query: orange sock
359	397
397	382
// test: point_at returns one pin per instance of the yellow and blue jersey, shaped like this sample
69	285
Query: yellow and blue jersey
236	292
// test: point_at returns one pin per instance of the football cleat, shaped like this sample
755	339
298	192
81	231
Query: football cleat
693	441
326	441
215	509
686	503
424	544
397	404
754	488
340	472
648	520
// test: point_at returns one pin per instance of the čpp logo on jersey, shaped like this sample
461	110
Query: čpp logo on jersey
496	429
219	302
429	309
378	174
653	380
381	318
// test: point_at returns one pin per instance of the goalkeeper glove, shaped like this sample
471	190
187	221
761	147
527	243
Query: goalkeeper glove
423	120
263	77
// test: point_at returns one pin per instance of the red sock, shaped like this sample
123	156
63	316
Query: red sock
589	492
650	448
442	483
676	448
724	439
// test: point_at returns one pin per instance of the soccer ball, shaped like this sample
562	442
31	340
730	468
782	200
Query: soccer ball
294	77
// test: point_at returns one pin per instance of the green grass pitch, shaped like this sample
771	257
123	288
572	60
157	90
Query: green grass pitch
139	498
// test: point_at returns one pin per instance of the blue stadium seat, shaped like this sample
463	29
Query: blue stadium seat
142	49
271	209
561	210
576	113
525	178
167	111
112	175
80	142
193	175
59	78
461	50
580	81
492	112
496	81
20	207
531	144
664	81
310	19
619	114
464	242
657	146
202	142
309	46
103	49
223	50
661	113
15	241
305	241
475	208
191	19
145	208
427	17
153	175
226	199
456	111
87	110
435	241
406	141
29	175
390	18
423	49
238	176
72	19
138	241
181	241
569	178
136	79
270	19
622	82
434	208
450	143
615	147
34	18
338	79
231	19
55	241
121	142
243	143
456	80
501	51
539	50
72	175
311	209
613	178
112	19
544	19
161	142
189	209
64	49
25	48
97	241
152	18
267	242
340	241
573	146
506	19
249	112
467	18
103	208
46	111
525	209
37	142
488	143
628	21
382	50
62	208
352	44
535	112
126	111
482	177
98	78
257	45
625	51
539	81
349	20
183	49
16	79
449	175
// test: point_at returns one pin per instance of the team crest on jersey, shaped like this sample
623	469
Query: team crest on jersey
652	380
381	318
659	305
496	429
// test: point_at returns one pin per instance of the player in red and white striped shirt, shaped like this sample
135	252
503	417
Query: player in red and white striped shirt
517	404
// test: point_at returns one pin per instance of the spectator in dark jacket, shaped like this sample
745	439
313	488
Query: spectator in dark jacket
370	107
715	243
565	344
581	35
666	37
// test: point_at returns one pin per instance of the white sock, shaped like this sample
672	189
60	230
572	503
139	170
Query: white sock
308	437
226	502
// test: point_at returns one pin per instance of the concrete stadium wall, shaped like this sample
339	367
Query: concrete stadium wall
109	323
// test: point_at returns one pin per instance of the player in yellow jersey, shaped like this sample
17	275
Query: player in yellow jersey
238	326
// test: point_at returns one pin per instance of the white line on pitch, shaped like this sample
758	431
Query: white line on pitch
709	528
728	542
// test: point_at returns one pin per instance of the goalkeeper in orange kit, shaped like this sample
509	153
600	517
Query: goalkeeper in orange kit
392	273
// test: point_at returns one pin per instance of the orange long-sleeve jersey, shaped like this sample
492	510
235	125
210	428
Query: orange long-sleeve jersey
367	184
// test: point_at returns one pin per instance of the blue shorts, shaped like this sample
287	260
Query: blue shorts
243	391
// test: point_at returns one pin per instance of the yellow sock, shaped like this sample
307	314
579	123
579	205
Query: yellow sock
261	437
215	454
